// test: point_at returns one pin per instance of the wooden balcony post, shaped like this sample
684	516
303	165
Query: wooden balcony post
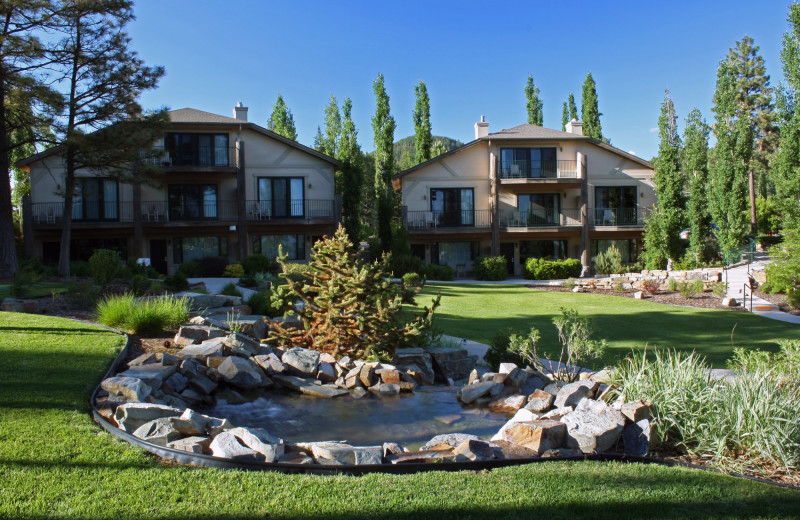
493	204
241	201
27	225
138	251
584	212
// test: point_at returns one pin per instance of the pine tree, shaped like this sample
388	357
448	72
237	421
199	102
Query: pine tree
564	117
349	178
573	109
786	163
333	128
533	103
589	109
662	232
727	193
423	138
383	125
695	138
281	120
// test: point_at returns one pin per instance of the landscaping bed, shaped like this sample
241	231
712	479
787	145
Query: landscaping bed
704	300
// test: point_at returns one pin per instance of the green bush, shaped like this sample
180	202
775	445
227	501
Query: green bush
234	270
104	266
132	268
190	269
82	293
143	316
298	272
609	261
542	269
570	283
22	282
261	303
248	280
783	274
231	290
719	289
176	283
490	268
498	351
256	263
690	288
139	284
406	263
444	273
35	266
672	284
412	280
79	268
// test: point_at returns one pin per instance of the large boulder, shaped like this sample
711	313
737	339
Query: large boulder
540	401
130	416
338	454
199	301
452	363
261	441
522	415
593	428
131	388
243	373
242	344
636	438
159	431
270	363
301	361
306	387
227	446
448	440
153	375
191	444
511	403
189	334
538	436
418	361
474	450
572	393
211	347
471	393
212	426
253	326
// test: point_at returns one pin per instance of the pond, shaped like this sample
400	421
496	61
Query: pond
408	419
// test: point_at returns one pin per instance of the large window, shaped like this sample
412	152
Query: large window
281	197
528	163
192	201
615	205
95	199
453	206
193	149
628	248
538	209
454	253
293	245
547	249
190	248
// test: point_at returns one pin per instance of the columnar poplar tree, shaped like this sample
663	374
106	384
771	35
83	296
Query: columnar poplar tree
564	117
573	108
727	193
333	128
349	178
533	103
281	120
383	125
695	158
589	110
423	138
661	237
786	172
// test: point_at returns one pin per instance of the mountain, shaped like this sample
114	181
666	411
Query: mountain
404	149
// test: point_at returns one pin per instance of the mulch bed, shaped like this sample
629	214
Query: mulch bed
779	300
704	300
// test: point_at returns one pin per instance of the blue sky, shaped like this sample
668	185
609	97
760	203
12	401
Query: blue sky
474	57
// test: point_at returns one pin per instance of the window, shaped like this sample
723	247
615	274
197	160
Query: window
454	253
293	245
453	206
615	205
192	201
281	197
189	248
95	199
547	249
528	163
628	248
538	209
193	149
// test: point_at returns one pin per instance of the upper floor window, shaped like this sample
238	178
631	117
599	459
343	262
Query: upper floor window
615	205
528	163
95	199
281	196
453	206
538	209
192	201
194	149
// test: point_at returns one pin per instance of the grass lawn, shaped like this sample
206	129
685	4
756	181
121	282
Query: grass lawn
56	463
36	289
477	311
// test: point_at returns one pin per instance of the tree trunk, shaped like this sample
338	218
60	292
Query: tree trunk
8	247
66	219
753	216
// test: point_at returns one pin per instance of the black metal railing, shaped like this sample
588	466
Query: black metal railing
199	156
290	209
524	169
218	210
85	211
540	218
448	219
618	216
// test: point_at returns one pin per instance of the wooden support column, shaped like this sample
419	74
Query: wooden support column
494	198
241	199
585	221
27	226
138	234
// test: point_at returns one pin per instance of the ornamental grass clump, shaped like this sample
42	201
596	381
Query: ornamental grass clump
143	316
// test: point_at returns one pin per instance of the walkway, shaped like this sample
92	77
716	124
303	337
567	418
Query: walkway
738	277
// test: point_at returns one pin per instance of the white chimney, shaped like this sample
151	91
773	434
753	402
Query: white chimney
481	128
574	127
240	112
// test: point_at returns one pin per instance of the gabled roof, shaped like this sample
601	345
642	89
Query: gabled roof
192	115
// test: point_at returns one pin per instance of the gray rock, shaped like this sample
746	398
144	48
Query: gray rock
296	457
153	375
471	393
243	373
516	378
635	411
261	441
358	392
192	396
561	453
553	387
191	444
531	384
211	347
155	358
506	368
538	436
271	363
346	363
573	393
352	379
510	403
159	431
326	372
301	361
190	368
385	389
190	334
337	454
425	456
540	401
199	301
636	438
227	446
202	384
473	376
212	426
392	448
557	413
130	416
177	382
474	450
253	326
454	363
309	388
367	374
451	440
132	389
242	344
591	432
416	360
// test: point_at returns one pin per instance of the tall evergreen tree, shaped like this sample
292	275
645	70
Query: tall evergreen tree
727	193
103	79
333	128
349	178
662	240
755	103
573	108
695	156
383	125
786	163
281	120
589	109
533	103
318	138
564	117
423	138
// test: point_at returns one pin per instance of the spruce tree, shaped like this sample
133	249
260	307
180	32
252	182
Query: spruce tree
727	193
423	138
589	109
349	178
695	156
573	109
383	125
281	120
533	103
564	117
333	128
786	163
318	145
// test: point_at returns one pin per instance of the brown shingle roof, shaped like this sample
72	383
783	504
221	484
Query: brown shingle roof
532	132
192	115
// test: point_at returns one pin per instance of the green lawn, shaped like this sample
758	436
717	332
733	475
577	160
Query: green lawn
477	311
36	289
56	463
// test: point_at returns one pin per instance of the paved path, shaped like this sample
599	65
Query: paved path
215	285
738	277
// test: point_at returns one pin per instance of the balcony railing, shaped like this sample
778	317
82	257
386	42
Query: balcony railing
293	209
618	216
540	218
523	169
475	218
218	210
53	212
202	157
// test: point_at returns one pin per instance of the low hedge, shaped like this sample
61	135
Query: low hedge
541	269
490	268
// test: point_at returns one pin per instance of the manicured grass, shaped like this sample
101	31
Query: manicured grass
477	311
56	463
36	290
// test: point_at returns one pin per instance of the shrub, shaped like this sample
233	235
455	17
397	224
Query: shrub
143	316
541	269
690	288
234	270
490	268
79	268
82	293
139	284
176	283
412	280
783	274
609	261
299	273
719	289
498	351
256	263
248	280
132	268
231	290
155	287
444	273
570	283
793	297
261	303
21	283
672	284
104	266
190	269
651	285
35	266
406	263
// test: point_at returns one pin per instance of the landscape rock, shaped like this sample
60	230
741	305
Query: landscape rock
557	413
199	301
308	388
228	446
635	411
202	384
155	358
212	426
424	456
388	375
471	393
553	387
636	438
367	374
270	363
176	382
190	334
243	373
159	431
242	344
295	457
132	389
385	389
352	379
474	450
591	432
130	416
522	415
506	368
540	401
729	302
453	363
562	452
538	436
573	393
301	361
253	326
416	360
516	378
357	392
211	347
191	444
334	453
153	375
507	450
448	441
326	372
473	376
261	441
511	403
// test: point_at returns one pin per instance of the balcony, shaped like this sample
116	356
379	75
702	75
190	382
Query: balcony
218	210
423	220
306	209
524	169
618	217
540	218
204	157
53	212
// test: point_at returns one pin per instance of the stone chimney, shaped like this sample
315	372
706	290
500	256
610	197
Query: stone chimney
481	128
574	127
240	112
